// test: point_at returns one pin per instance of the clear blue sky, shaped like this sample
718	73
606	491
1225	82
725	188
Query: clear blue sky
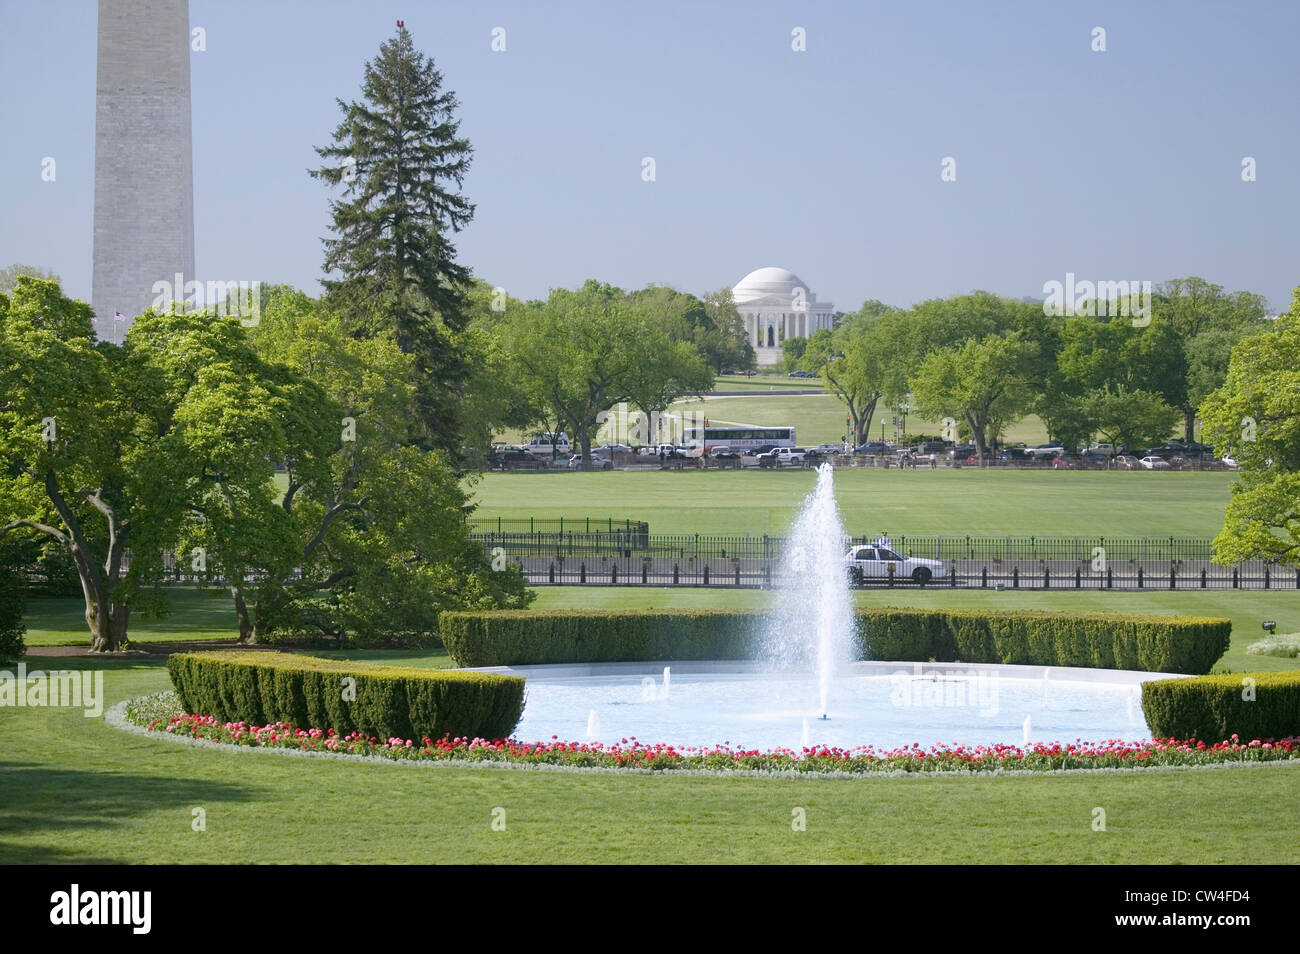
1117	165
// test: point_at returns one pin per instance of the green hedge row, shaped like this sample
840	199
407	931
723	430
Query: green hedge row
1151	643
1101	640
383	701
1254	705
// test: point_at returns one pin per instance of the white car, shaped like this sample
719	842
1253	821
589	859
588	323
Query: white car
873	561
1154	463
597	462
785	455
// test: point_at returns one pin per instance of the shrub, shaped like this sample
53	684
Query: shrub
12	600
1260	705
524	637
1102	640
1287	646
390	701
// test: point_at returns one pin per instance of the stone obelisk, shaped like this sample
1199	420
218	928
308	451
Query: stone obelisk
144	178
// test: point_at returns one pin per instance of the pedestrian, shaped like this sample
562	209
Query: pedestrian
934	460
884	539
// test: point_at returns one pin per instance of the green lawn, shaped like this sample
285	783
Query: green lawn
819	418
73	790
950	501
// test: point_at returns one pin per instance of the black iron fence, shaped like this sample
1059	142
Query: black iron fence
992	562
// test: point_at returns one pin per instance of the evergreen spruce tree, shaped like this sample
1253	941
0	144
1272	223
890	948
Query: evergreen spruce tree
401	162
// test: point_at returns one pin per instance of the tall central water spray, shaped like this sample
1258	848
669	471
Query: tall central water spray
813	625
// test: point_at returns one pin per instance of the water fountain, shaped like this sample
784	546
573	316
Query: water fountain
812	627
805	687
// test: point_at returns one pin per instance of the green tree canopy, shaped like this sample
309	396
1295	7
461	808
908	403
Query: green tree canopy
401	160
1255	416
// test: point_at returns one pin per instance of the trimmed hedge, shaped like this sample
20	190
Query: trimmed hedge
1214	708
390	701
1101	640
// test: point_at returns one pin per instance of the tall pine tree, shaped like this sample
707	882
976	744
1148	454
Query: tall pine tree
401	163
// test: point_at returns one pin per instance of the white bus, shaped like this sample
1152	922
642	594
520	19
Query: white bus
711	439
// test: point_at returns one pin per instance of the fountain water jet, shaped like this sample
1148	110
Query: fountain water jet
814	625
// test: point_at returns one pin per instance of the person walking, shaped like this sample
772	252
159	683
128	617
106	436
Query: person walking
884	539
934	460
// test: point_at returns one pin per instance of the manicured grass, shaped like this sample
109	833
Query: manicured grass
765	382
819	418
195	614
73	790
948	501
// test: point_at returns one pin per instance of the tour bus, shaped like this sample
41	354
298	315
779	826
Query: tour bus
710	440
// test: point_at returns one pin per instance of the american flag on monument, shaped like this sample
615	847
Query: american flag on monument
118	316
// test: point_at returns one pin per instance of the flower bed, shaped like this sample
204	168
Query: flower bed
632	754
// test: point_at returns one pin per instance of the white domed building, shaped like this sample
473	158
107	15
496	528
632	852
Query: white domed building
775	304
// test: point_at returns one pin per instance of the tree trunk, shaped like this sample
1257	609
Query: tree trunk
1189	424
247	632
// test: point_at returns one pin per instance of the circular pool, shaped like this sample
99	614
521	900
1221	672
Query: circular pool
886	705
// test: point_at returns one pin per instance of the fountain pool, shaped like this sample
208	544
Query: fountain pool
884	704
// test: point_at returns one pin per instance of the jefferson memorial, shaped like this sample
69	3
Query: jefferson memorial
776	304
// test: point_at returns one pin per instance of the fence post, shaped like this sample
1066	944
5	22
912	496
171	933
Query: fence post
1078	576
1139	577
738	573
1015	577
767	573
1234	578
1203	577
1110	577
1047	578
891	574
676	574
550	573
613	573
1172	579
984	578
582	572
706	574
644	572
952	575
1266	577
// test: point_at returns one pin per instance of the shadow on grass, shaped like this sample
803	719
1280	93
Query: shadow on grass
65	801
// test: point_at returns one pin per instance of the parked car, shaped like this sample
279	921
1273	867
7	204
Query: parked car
760	450
546	443
802	374
1125	462
874	449
1014	455
1045	450
1065	463
827	450
779	456
609	450
874	561
598	462
961	451
1154	463
516	460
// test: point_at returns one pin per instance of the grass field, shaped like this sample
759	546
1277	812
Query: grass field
950	501
73	790
819	418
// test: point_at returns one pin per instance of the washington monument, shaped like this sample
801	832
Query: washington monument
144	179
